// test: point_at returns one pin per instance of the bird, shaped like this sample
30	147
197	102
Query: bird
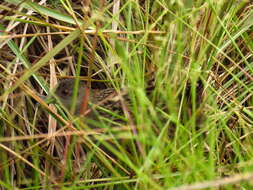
65	90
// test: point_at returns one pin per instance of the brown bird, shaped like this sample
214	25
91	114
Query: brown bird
101	97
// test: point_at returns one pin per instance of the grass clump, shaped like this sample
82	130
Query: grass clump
182	73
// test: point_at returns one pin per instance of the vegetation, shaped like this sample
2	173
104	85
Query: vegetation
185	65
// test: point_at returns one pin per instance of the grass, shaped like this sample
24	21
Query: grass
186	120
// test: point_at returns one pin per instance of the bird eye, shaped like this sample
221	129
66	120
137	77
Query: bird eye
65	92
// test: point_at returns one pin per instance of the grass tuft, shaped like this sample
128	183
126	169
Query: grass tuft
182	72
